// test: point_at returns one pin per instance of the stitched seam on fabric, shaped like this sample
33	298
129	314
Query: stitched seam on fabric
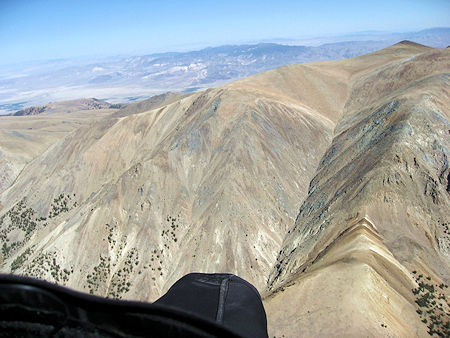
222	298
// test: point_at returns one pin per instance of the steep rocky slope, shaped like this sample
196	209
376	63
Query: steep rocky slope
214	181
387	163
208	182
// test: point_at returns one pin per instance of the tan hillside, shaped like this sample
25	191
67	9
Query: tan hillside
23	138
153	102
210	175
214	181
388	162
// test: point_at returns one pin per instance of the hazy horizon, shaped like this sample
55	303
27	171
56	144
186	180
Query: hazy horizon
48	30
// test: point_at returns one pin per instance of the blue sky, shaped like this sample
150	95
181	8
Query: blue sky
40	29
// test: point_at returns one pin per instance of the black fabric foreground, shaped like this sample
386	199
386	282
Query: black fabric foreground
224	298
197	305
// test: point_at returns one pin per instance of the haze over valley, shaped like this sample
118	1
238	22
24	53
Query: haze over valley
127	79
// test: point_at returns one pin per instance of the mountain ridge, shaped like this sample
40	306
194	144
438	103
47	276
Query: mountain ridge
392	187
129	203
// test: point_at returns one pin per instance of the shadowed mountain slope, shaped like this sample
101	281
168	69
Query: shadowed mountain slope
388	162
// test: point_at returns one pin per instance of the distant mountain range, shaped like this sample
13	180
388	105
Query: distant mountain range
127	79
